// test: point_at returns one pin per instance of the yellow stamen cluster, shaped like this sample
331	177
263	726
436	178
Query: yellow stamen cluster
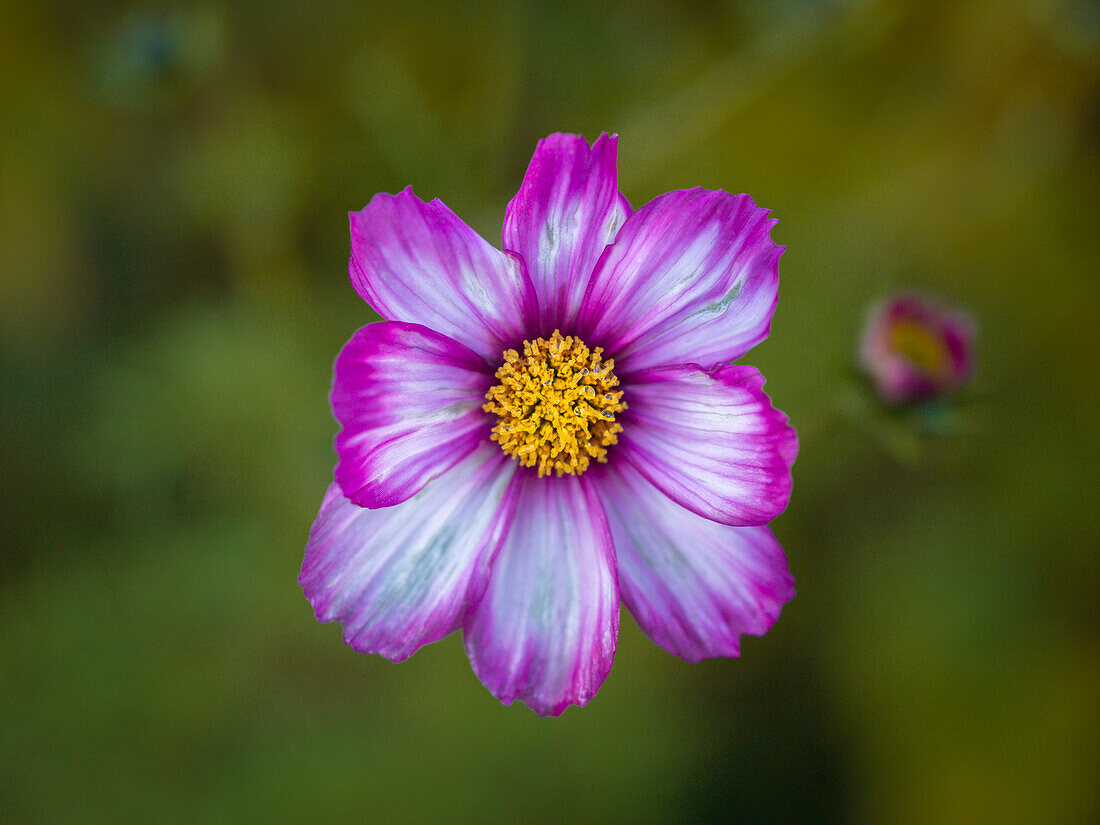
556	405
922	347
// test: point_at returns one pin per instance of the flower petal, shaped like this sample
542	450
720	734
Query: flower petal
545	630
710	441
409	404
693	585
417	262
400	577
691	278
566	211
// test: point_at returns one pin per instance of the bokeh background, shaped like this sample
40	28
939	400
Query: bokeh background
174	183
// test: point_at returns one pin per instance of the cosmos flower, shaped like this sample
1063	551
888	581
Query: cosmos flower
532	435
915	348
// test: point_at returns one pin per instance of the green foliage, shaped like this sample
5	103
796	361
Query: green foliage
173	196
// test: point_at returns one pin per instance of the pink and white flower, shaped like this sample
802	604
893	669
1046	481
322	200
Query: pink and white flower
534	434
916	348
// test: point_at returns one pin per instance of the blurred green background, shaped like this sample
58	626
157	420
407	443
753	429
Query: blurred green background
174	183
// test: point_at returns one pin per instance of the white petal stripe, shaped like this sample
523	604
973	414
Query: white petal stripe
545	630
400	577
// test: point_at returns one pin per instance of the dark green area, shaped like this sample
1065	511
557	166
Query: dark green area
174	184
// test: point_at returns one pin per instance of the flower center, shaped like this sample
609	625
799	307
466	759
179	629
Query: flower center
921	347
556	405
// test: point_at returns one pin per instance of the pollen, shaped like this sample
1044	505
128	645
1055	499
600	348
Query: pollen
556	405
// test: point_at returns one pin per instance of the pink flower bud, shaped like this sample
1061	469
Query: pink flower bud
916	348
